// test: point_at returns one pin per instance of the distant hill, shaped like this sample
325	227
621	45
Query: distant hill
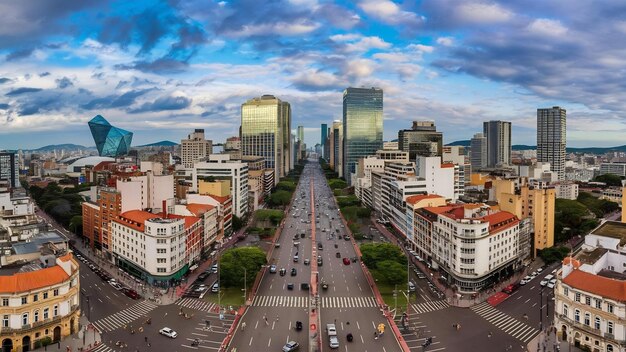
53	147
159	144
592	150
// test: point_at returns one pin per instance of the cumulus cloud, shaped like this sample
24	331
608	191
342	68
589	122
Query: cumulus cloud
389	12
24	90
64	82
315	80
482	13
546	27
445	41
164	103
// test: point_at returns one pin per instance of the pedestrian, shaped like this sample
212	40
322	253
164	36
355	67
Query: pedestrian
243	326
145	338
375	335
165	314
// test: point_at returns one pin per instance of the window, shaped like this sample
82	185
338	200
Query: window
55	311
46	313
597	323
5	321
24	300
36	316
577	296
587	319
588	300
25	319
45	295
565	310
598	304
609	348
565	291
56	292
577	315
161	270
5	302
609	327
161	260
161	250
609	308
35	297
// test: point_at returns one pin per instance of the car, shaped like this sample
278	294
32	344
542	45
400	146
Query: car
544	282
131	293
276	245
331	329
346	237
291	346
273	269
201	288
295	258
411	287
320	246
539	269
290	286
283	271
523	282
333	342
421	276
527	278
203	276
346	261
551	284
215	288
294	272
511	288
214	268
553	271
116	285
307	261
553	280
168	332
319	261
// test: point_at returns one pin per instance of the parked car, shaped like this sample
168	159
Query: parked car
273	269
346	237
290	286
411	286
511	288
203	276
168	332
319	261
307	261
215	288
116	285
291	346
214	268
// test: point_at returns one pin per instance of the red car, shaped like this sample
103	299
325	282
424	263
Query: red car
346	261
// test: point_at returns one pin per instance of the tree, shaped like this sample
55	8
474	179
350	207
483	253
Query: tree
394	272
280	198
233	262
238	223
76	225
553	254
609	179
375	253
336	183
289	186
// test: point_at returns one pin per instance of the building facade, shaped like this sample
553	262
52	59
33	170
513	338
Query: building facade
421	140
266	132
478	151
40	303
362	126
9	168
195	148
336	148
551	141
220	167
498	135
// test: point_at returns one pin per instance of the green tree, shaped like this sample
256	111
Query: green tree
238	223
374	253
233	262
394	272
76	225
336	183
275	216
281	198
609	179
553	254
288	186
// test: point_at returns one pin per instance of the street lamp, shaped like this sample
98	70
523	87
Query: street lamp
245	286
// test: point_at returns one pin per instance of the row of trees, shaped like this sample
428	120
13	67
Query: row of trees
578	217
62	204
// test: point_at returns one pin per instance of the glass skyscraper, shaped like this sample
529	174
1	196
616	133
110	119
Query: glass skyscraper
362	126
110	141
266	132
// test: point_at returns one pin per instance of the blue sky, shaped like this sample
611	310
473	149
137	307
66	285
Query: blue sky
163	68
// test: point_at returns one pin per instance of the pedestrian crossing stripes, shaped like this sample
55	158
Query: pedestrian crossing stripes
102	348
430	306
303	302
504	322
121	318
197	304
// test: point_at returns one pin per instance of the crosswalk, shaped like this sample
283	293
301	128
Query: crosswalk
128	315
303	302
102	348
197	304
504	322
430	306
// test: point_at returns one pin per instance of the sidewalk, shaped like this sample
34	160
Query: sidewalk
545	342
85	340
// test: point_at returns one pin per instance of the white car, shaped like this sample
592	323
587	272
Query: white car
544	282
333	341
168	332
116	285
540	269
523	282
551	284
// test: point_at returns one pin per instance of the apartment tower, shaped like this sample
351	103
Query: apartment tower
551	128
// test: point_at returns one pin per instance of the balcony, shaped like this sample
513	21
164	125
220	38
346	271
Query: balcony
38	324
581	326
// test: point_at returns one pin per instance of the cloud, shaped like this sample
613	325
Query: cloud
316	80
4	80
357	43
63	83
44	74
482	13
115	101
389	12
300	27
445	41
24	90
162	66
546	27
166	102
19	54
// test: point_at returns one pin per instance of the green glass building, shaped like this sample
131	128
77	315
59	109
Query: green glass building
266	132
362	126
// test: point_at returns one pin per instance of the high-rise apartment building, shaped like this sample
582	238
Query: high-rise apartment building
195	148
498	134
551	129
421	140
324	131
478	151
362	126
9	168
266	132
336	148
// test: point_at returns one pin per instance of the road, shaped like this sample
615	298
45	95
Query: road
349	300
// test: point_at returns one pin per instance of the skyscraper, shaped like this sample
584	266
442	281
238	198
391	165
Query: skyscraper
110	140
195	148
266	132
498	134
300	143
362	126
336	148
301	133
478	151
421	140
9	168
324	133
551	142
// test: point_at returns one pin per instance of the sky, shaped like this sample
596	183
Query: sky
163	68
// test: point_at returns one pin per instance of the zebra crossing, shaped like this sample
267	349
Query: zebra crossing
430	306
504	322
102	348
197	304
303	302
121	318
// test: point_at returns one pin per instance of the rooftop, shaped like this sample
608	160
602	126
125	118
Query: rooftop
32	276
614	229
599	285
420	197
590	257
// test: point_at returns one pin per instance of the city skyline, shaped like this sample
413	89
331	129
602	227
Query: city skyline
162	69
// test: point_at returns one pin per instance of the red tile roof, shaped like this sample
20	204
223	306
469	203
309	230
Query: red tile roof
599	285
32	280
199	209
222	200
447	165
500	221
417	198
135	219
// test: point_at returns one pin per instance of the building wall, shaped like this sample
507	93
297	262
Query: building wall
498	134
219	188
551	138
